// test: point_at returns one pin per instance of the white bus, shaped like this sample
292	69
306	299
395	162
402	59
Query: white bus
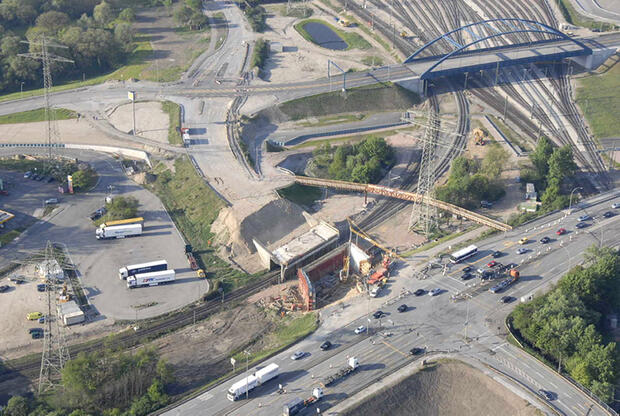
462	254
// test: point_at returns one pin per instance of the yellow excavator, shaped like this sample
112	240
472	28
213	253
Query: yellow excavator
479	137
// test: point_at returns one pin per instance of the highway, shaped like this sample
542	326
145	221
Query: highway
601	10
473	329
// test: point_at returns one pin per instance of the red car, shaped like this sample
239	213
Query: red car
561	231
492	263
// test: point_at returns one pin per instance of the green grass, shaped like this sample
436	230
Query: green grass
36	115
7	237
432	244
599	98
337	119
353	40
372	61
174	116
511	135
301	194
350	139
193	206
573	17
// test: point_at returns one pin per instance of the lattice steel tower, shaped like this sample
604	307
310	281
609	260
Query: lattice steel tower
45	57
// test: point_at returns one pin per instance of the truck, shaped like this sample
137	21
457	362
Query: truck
238	389
190	257
132	270
151	279
343	372
134	220
513	277
296	405
118	231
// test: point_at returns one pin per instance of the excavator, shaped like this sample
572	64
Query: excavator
479	136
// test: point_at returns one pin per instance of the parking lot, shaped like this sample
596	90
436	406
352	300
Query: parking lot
97	261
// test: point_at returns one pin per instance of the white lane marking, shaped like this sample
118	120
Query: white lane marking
567	407
499	346
553	384
206	397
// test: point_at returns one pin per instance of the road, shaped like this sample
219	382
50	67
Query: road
471	329
601	10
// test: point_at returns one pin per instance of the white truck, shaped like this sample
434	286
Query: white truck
151	279
132	270
118	231
246	385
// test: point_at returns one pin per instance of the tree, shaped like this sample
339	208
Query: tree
197	20
128	15
122	207
494	161
53	21
561	163
124	35
9	46
17	406
540	156
103	13
182	15
195	5
83	178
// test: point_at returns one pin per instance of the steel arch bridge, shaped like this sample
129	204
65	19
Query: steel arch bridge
495	28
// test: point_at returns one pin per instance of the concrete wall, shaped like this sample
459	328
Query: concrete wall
263	253
415	84
306	289
598	57
131	153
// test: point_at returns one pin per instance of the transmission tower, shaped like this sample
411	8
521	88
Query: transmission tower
45	57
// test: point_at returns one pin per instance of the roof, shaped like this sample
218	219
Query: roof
314	239
69	308
5	216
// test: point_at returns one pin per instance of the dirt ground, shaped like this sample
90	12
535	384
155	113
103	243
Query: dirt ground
151	121
449	388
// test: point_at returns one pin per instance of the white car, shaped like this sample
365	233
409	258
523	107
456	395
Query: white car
360	329
434	292
584	218
615	205
297	355
522	251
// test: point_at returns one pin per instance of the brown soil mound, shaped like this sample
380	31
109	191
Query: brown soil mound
449	388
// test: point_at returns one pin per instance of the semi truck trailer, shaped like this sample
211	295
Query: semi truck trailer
297	405
351	366
249	383
151	279
118	231
134	269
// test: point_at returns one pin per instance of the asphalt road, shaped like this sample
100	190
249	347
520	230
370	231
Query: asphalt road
472	328
597	10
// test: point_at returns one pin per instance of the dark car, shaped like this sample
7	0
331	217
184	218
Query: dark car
402	308
419	292
506	299
377	314
326	345
511	266
545	240
608	214
17	280
467	276
416	351
49	179
41	287
468	269
39	177
546	394
497	254
33	330
36	335
487	274
581	225
4	288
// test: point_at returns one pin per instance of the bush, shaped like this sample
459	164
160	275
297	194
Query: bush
121	207
260	54
256	16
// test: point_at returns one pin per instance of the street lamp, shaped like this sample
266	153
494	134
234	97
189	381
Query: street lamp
21	90
247	375
570	203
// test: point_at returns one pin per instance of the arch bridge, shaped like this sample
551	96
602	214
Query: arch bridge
556	45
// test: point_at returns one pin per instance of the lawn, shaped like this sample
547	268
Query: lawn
598	97
174	128
301	194
353	40
36	115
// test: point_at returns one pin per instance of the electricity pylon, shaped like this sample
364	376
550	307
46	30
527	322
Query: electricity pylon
45	57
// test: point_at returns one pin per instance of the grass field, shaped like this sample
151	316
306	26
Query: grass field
7	237
301	194
36	115
598	97
511	135
573	17
174	114
353	40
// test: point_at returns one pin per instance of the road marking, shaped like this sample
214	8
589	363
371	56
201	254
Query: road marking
567	408
499	346
553	384
207	396
394	348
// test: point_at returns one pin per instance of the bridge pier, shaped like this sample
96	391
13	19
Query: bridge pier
596	59
414	84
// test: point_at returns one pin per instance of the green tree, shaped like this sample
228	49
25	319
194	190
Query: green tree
182	15
540	156
197	21
17	406
124	35
561	163
128	15
82	179
122	207
102	13
494	161
53	21
10	46
195	5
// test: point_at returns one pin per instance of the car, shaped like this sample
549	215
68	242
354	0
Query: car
33	330
487	274
325	345
581	225
33	316
49	179
511	266
27	175
35	177
561	231
297	355
434	292
466	276
546	394
39	177
615	205
492	263
521	250
4	288
360	329
377	314
506	299
486	204
16	280
545	240
416	351
584	218
419	292
41	287
468	269
51	201
497	254
608	214
524	240
36	335
402	308
42	320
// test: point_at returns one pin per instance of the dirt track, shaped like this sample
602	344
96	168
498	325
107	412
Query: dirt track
450	388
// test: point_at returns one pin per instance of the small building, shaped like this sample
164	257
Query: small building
530	192
70	313
276	47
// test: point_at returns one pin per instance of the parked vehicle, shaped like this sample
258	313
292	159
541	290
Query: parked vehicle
360	329
497	254
51	201
466	276
506	299
608	214
151	279
244	386
296	405
615	205
581	225
524	240
325	345
377	314
4	288
521	251
374	291
468	269
416	351
27	175
545	240
33	316
41	287
434	292
132	270
351	366
118	231
492	263
419	292
134	220
402	308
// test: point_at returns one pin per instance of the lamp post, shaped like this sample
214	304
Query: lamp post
21	90
247	376
570	202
